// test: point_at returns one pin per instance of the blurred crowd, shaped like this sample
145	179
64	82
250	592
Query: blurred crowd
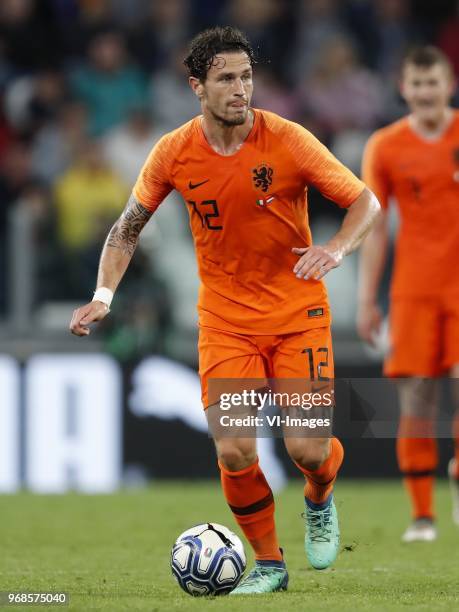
88	86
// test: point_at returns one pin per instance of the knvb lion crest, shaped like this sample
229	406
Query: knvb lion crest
263	177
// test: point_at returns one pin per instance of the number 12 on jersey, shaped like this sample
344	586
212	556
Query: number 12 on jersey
206	210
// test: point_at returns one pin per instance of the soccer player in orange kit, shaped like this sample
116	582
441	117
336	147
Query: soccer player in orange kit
243	174
416	161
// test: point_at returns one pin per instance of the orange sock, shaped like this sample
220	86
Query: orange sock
319	483
252	503
417	460
456	441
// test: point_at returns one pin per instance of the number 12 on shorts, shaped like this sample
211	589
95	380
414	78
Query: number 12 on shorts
314	364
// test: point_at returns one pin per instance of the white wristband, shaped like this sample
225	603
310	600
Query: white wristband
103	294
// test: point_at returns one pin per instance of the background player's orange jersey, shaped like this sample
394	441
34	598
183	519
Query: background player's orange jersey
424	178
247	211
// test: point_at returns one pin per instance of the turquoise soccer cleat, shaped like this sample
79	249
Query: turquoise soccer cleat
263	579
321	541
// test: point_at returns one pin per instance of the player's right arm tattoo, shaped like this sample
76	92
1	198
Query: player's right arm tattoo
124	234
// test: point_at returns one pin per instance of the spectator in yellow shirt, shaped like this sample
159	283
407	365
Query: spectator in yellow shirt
88	196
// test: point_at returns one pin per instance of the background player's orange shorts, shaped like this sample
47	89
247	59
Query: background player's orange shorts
424	336
301	355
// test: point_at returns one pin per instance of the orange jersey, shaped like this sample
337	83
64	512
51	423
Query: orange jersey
247	211
423	176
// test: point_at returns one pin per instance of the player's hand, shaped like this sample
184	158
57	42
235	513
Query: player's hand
84	316
369	321
315	261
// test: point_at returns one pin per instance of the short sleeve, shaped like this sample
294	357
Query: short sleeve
373	172
153	183
320	168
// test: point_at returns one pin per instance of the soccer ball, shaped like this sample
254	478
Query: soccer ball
208	559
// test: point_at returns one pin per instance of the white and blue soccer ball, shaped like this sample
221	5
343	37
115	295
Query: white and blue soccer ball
208	559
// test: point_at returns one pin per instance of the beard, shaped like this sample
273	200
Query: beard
239	119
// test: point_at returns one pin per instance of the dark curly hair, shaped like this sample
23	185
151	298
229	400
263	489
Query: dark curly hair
209	43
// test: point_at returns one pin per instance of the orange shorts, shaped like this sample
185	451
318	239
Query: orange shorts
424	336
226	355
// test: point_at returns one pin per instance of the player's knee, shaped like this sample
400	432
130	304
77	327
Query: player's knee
418	396
235	457
309	454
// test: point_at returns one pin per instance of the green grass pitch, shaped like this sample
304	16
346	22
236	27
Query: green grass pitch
112	552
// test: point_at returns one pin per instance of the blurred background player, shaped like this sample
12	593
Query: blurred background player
416	161
243	174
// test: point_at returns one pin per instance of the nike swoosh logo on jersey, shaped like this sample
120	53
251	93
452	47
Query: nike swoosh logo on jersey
191	186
